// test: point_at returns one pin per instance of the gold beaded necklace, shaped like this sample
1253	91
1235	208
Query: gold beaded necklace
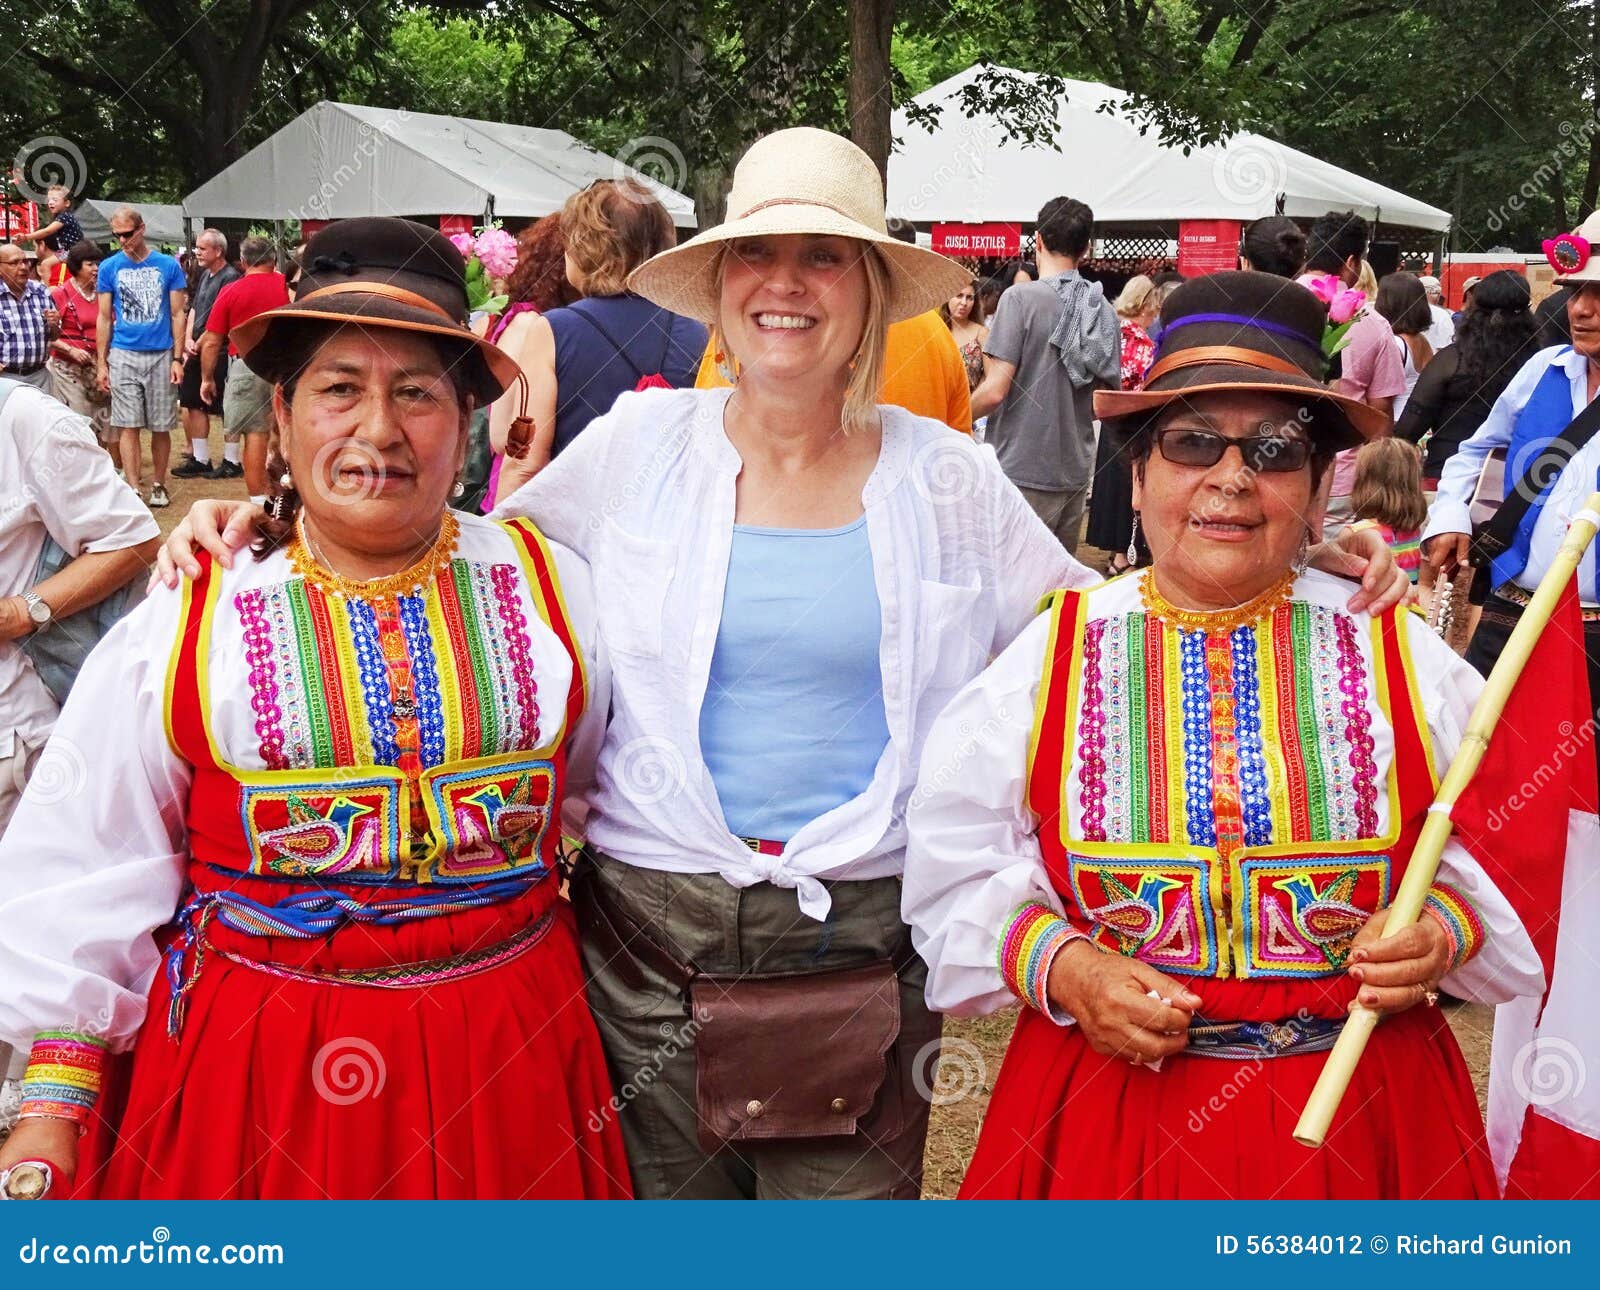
1214	620
306	559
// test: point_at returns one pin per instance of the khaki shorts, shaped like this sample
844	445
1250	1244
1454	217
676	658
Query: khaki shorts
143	396
246	402
75	386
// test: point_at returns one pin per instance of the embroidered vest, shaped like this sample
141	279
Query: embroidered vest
1546	414
1226	785
484	801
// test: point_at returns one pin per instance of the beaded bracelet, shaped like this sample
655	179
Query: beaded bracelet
1462	926
64	1075
1034	935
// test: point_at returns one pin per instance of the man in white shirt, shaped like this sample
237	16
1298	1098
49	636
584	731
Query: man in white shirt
1443	331
55	481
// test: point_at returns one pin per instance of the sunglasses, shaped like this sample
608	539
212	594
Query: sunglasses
1264	454
124	235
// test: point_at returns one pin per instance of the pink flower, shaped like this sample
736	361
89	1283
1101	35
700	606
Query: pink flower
462	242
497	251
1343	302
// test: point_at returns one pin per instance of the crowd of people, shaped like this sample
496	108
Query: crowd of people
624	719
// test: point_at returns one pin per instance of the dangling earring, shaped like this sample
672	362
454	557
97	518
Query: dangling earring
285	482
458	490
1302	557
1133	543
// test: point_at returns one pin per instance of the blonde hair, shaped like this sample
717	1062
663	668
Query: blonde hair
1136	297
1368	281
866	369
611	228
1388	485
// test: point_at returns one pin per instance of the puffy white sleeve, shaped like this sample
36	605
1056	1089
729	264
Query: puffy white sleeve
583	742
1029	560
92	862
1505	964
973	865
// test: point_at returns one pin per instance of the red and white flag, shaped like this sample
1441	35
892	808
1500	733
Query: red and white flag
1530	817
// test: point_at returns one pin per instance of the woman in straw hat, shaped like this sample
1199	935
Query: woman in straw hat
792	582
306	871
1203	784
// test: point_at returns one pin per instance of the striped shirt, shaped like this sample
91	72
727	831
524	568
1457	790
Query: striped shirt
1407	548
23	338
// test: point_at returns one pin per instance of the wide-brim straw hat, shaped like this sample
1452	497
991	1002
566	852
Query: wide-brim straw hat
1244	331
800	181
384	272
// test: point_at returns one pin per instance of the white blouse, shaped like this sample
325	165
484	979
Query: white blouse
974	855
646	494
94	860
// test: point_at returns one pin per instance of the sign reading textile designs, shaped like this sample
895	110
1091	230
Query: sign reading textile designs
1207	246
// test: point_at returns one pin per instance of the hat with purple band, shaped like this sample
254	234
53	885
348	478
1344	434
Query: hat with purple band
1244	331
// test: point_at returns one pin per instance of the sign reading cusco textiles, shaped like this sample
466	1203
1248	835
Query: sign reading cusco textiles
977	239
1207	246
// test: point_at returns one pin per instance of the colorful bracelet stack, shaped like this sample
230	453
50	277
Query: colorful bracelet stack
1460	921
1033	936
64	1074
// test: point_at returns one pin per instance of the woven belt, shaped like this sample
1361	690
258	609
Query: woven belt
1517	596
762	847
1248	1041
411	976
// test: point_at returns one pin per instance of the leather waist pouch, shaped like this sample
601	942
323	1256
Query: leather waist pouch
793	1055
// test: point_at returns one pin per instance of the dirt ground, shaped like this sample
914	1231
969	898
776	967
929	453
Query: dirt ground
973	1047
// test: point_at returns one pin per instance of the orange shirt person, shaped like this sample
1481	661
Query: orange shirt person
922	372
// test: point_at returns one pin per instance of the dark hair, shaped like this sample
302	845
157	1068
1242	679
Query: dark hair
1495	336
1335	237
1404	302
902	230
540	278
81	253
1065	226
1275	245
1551	319
977	304
305	339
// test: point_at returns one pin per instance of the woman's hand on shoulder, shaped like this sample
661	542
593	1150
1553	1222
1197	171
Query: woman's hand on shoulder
1109	997
1364	555
220	527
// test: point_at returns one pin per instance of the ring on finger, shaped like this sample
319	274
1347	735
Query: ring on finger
1430	996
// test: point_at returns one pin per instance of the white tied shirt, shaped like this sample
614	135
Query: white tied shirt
55	479
646	494
1451	511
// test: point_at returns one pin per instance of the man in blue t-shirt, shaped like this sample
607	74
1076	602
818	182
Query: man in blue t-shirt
140	346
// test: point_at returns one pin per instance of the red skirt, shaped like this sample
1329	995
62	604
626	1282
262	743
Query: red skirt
1065	1122
486	1085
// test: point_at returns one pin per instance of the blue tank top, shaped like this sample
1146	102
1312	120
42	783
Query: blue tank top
594	364
793	722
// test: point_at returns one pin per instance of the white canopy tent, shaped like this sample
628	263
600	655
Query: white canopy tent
338	160
163	225
968	170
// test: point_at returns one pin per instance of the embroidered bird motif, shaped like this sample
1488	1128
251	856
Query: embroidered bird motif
1326	918
1132	917
512	814
312	842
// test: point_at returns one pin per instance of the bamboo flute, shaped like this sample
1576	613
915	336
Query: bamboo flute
1406	907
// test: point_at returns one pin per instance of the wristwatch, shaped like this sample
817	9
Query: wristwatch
39	611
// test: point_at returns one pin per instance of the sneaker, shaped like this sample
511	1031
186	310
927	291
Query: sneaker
158	496
191	468
226	470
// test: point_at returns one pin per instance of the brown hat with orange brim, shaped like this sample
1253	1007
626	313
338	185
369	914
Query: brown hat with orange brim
1244	331
381	272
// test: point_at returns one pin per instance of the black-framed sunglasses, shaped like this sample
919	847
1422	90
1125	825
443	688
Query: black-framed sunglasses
1264	454
124	235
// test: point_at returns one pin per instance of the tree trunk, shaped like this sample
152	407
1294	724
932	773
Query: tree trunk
1591	181
871	89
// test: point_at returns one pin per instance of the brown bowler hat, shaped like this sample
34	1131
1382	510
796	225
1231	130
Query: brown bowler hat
1245	331
379	271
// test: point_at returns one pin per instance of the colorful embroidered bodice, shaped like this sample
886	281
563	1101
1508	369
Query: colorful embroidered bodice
1210	799
401	735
